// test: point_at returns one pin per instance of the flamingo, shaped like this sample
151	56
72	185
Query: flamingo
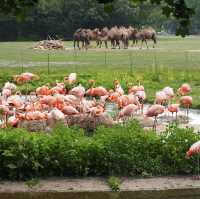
134	89
173	108
91	82
57	90
184	89
128	111
187	102
78	91
69	110
25	77
71	99
35	115
154	111
6	93
169	93
118	87
161	97
86	105
123	101
96	111
13	121
10	86
141	97
15	101
194	149
113	96
97	91
71	78
4	110
56	114
43	90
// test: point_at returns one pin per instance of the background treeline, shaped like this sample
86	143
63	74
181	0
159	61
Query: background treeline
60	18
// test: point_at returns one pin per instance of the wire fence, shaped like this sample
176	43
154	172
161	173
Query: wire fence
154	60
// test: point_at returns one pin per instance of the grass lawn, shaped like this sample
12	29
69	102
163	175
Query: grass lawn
174	61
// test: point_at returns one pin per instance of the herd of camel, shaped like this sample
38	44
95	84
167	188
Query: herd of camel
119	37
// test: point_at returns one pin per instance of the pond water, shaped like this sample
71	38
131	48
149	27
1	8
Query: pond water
194	114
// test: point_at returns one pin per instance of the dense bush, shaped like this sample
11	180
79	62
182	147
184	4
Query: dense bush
121	150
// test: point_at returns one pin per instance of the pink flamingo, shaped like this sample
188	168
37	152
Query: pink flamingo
141	97
154	111
134	89
128	111
6	93
97	91
113	96
44	90
187	102
194	149
4	112
160	97
69	110
71	78
173	108
96	111
25	77
118	87
10	86
78	91
169	93
184	89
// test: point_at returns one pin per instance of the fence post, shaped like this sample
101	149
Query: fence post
131	62
75	59
187	67
21	58
48	64
105	58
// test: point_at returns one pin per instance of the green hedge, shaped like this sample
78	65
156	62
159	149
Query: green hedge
121	150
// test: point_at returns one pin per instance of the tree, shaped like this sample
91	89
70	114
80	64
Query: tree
16	7
177	8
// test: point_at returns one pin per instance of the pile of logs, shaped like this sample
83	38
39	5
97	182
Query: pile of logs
50	45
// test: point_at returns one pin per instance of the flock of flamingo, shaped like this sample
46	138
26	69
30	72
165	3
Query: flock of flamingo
57	102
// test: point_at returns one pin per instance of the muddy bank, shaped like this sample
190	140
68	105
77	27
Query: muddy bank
68	188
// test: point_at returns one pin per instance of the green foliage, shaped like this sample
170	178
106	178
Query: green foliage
41	20
114	183
118	151
15	7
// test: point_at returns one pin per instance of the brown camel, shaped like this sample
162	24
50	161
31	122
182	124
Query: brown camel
115	35
103	37
81	36
147	34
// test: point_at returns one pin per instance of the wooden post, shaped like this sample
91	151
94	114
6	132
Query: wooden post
48	64
21	58
105	58
131	62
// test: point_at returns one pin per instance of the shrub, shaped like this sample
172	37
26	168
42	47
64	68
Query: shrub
123	150
114	183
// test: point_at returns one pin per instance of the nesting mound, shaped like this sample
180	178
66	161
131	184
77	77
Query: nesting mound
83	120
49	45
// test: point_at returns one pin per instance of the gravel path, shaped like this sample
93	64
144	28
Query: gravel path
100	184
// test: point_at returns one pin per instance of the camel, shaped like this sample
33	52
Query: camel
81	36
115	35
103	37
147	34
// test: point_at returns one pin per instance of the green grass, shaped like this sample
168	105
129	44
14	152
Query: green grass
174	61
